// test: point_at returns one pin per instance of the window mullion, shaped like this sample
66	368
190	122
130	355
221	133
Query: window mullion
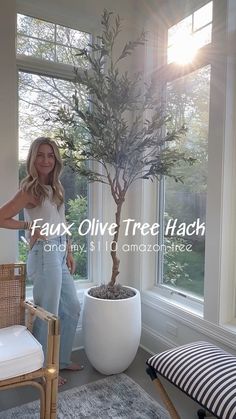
55	43
161	208
49	68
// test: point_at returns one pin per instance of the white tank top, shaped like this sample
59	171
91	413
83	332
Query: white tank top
47	212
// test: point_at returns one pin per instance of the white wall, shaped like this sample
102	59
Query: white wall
8	104
78	13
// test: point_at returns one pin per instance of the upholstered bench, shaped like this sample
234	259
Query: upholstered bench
201	370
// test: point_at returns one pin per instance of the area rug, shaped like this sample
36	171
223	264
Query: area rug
116	397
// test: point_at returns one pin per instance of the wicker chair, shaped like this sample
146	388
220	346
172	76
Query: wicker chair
14	310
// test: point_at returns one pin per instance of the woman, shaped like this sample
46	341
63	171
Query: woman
50	262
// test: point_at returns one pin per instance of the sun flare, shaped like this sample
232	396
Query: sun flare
184	49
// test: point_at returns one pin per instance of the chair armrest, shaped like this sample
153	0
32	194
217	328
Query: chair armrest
39	311
53	332
51	319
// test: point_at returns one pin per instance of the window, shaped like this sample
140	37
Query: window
40	96
183	205
187	36
48	41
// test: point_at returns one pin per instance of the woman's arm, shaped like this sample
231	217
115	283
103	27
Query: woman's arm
68	245
69	259
12	208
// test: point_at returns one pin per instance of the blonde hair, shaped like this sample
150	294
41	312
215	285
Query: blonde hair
31	182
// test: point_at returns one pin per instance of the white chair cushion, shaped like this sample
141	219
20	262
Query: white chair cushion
20	352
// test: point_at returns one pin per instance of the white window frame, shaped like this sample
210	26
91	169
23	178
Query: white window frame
219	308
65	72
193	32
53	43
166	289
173	72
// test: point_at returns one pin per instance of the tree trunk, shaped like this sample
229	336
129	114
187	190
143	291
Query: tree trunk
115	260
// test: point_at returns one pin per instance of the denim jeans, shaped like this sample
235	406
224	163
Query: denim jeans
54	290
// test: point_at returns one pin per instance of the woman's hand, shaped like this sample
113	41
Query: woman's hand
37	235
70	263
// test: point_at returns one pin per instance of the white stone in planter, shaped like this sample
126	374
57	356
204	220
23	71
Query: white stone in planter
112	330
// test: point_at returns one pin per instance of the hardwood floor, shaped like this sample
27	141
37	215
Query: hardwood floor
137	371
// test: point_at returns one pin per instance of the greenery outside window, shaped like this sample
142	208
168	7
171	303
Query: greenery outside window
48	41
185	203
39	97
182	206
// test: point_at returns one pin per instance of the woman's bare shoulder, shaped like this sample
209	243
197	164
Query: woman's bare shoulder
19	201
28	199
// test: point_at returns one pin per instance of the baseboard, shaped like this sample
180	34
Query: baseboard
151	341
154	342
200	328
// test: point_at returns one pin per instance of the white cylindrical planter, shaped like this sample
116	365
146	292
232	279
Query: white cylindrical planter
112	331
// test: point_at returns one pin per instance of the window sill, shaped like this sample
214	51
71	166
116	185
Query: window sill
231	327
81	286
175	301
191	317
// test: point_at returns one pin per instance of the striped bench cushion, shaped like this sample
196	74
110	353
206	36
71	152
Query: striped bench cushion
204	372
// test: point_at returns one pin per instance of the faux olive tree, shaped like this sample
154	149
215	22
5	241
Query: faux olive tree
118	135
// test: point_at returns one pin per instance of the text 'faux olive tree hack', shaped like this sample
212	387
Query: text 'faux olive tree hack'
117	134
